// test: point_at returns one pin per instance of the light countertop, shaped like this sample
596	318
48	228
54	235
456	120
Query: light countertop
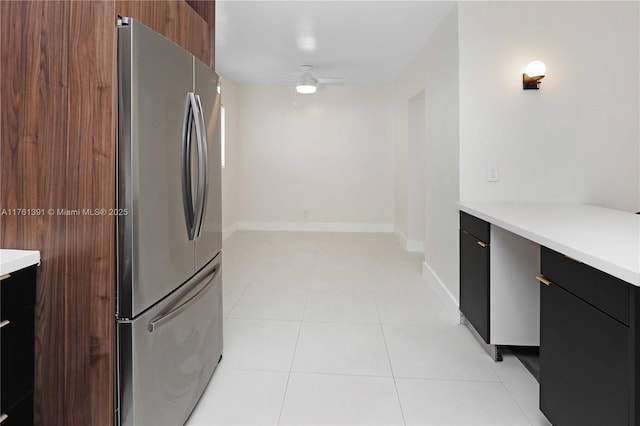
606	239
14	260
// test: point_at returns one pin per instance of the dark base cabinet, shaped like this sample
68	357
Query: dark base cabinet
583	362
17	347
21	414
474	273
587	356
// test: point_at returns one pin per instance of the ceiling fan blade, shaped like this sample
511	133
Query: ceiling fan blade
331	80
290	74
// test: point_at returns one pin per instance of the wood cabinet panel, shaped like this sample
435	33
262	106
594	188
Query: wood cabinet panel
57	145
207	10
176	20
90	184
33	145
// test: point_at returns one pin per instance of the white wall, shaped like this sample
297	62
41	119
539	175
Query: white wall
442	171
434	70
574	140
401	165
230	173
327	154
416	146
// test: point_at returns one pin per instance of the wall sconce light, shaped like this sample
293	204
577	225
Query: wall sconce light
532	75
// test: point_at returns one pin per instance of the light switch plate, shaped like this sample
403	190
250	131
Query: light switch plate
493	173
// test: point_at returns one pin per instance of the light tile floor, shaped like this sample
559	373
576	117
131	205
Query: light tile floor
335	328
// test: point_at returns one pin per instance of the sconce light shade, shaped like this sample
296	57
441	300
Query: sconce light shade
535	69
533	74
306	88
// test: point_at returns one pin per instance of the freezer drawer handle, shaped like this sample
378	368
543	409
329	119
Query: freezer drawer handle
3	417
4	323
190	301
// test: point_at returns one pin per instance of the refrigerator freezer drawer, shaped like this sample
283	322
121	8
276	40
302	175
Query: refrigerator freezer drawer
167	355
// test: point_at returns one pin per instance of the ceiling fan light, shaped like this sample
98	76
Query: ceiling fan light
306	88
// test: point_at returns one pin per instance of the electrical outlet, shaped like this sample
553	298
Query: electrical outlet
493	173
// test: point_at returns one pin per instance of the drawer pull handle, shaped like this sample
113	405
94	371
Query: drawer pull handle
3	417
4	323
157	322
4	277
481	244
543	280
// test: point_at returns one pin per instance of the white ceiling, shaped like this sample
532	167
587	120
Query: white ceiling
362	41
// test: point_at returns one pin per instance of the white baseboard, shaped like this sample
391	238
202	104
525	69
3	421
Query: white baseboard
229	231
402	239
450	302
413	246
315	226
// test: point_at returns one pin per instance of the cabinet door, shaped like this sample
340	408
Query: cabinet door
474	283
17	357
584	369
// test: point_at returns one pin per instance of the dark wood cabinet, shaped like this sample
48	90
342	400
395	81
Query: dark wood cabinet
586	345
58	152
18	295
474	273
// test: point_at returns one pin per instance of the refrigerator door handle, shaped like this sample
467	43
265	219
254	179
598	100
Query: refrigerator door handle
165	318
203	170
187	192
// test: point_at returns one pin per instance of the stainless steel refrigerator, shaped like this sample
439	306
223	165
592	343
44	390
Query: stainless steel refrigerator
169	232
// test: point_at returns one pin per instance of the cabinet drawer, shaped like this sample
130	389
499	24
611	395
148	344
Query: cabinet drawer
605	292
18	291
17	357
21	414
474	226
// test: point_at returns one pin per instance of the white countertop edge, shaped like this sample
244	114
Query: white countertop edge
14	260
625	274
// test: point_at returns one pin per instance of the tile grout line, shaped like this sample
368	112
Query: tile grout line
386	348
261	319
524	413
504	385
237	300
248	281
295	348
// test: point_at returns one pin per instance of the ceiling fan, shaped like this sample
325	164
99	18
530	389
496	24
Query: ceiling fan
307	83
